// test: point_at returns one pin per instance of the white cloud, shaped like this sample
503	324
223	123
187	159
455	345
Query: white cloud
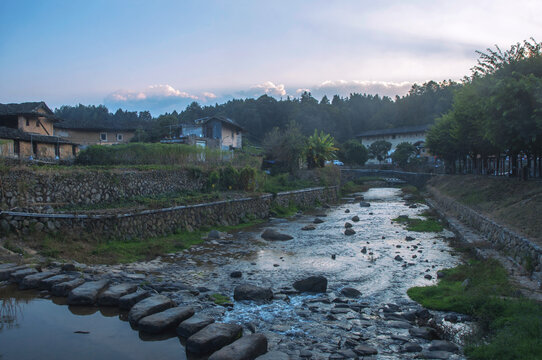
269	88
346	87
152	92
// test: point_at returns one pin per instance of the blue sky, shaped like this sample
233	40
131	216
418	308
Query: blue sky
161	55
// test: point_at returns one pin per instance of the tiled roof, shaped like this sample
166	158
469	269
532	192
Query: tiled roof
16	134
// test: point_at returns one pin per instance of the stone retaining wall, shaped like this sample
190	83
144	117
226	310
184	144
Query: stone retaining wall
521	249
32	189
159	222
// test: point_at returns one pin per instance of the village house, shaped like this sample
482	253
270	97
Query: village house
212	131
27	132
414	135
86	135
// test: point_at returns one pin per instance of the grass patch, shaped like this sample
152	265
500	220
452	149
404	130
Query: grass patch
420	225
283	211
509	327
220	299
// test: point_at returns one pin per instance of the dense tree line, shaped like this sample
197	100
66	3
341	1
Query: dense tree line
342	117
496	115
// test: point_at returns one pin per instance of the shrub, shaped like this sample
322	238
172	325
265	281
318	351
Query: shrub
229	178
247	179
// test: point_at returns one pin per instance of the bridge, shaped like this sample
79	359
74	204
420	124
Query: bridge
417	179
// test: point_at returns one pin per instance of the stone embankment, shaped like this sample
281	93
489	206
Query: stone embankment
36	189
524	251
160	222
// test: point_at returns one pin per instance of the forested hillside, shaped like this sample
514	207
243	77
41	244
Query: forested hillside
341	117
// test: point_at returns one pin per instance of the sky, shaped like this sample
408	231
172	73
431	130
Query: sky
161	55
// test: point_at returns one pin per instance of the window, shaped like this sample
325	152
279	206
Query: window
103	136
27	122
119	137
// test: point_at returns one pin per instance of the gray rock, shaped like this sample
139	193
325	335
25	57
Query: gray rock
443	355
236	274
451	318
350	292
365	350
8	269
111	296
192	325
364	204
274	235
64	288
347	211
364	250
213	234
18	276
274	355
127	301
411	347
398	258
409	238
443	345
347	225
167	319
251	292
68	267
349	231
212	338
246	348
32	281
47	283
87	293
355	218
428	277
314	284
424	333
318	221
308	228
397	324
149	306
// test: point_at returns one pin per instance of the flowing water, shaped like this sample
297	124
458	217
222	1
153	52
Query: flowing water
316	323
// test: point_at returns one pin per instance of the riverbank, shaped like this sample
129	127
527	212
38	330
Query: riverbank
515	204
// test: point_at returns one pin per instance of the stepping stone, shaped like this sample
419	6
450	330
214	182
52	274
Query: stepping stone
411	347
47	284
64	288
274	355
311	284
7	266
165	320
6	271
87	293
32	281
149	306
111	296
246	348
192	325
443	355
127	301
212	338
18	276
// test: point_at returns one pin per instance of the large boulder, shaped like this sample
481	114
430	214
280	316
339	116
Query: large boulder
192	325
165	320
246	348
314	284
212	338
87	293
252	292
111	296
48	283
274	235
350	292
149	306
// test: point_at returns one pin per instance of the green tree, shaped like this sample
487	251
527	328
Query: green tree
320	148
379	150
353	152
403	153
285	146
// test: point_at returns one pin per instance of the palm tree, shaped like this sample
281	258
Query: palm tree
320	148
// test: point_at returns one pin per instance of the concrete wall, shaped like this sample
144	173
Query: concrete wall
395	140
230	136
159	222
521	249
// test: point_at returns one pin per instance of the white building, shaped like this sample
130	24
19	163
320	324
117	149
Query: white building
411	134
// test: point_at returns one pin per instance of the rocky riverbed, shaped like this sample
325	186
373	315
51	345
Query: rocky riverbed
362	310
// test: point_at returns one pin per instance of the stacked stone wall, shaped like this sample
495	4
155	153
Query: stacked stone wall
521	249
159	222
